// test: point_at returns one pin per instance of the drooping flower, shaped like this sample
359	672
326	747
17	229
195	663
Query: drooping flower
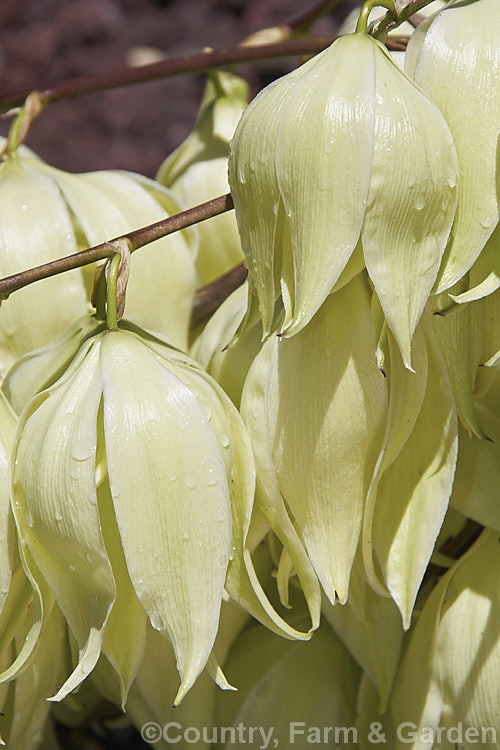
315	407
197	171
455	58
46	213
449	676
343	163
133	492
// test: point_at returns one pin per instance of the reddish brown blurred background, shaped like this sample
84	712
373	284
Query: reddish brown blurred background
46	41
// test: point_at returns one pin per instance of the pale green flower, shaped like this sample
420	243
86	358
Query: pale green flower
455	58
341	160
449	676
133	492
295	689
197	171
46	213
107	204
35	227
315	407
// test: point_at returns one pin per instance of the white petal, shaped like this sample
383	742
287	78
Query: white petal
55	495
326	133
171	499
412	199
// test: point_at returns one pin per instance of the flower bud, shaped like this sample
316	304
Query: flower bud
343	150
197	171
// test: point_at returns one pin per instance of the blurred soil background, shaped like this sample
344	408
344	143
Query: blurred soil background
43	42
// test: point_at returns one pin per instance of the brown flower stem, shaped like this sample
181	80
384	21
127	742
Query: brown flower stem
165	69
136	239
209	297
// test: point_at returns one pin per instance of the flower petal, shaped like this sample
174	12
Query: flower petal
323	209
413	493
455	58
412	199
55	496
173	515
35	227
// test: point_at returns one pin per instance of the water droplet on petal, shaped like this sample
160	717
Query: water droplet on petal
224	440
420	203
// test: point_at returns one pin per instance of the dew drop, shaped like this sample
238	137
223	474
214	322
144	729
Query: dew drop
82	452
72	568
329	146
91	558
411	181
157	621
58	516
486	222
224	440
452	181
190	482
23	207
185	536
172	477
420	204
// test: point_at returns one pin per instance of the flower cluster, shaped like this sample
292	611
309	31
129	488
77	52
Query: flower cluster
299	495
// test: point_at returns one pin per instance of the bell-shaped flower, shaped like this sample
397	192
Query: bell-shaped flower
197	171
291	693
46	213
110	203
342	159
133	492
448	681
35	227
455	58
315	407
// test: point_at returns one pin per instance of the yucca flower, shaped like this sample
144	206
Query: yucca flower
455	58
289	691
449	677
46	213
315	407
343	163
197	171
133	491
